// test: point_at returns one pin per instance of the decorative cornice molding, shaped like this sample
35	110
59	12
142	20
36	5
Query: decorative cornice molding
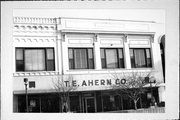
34	20
95	37
152	38
63	37
31	27
34	39
34	30
125	37
41	73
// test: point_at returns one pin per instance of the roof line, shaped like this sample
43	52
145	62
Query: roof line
107	19
90	19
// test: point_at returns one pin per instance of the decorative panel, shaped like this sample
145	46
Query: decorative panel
111	39
105	25
139	41
80	39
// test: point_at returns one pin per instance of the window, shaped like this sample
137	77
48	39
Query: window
81	58
112	58
31	59
140	58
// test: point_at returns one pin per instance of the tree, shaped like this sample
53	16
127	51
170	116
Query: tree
63	86
131	84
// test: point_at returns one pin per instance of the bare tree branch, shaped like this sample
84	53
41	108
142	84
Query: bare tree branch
63	86
134	86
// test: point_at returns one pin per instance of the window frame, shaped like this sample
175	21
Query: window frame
45	57
118	62
87	57
146	64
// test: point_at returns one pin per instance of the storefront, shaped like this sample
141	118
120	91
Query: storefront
91	51
84	102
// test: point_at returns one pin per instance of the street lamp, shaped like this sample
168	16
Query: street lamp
152	80
26	83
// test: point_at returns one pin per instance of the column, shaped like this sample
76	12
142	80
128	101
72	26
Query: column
97	56
161	92
58	55
64	48
156	58
126	53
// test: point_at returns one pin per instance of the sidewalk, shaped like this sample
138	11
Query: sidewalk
142	110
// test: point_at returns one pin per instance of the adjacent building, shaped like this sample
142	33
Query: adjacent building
89	51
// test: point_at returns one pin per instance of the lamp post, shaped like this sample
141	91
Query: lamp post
26	83
147	80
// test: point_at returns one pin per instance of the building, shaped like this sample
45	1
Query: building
88	50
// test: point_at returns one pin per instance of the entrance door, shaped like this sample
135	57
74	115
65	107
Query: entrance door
90	105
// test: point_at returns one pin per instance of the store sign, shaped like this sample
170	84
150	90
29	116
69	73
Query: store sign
97	82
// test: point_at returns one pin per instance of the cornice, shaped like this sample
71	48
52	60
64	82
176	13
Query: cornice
34	20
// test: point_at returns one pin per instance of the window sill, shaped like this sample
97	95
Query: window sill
145	68
105	71
36	73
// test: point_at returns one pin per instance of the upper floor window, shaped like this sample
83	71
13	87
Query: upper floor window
140	57
35	59
81	58
112	58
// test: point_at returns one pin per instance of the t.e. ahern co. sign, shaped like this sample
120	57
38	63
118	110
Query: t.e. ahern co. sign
96	82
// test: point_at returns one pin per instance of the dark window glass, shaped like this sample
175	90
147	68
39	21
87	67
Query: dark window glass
121	58
103	60
132	58
148	58
50	103
74	104
50	65
31	59
33	104
81	58
90	59
112	58
71	59
140	58
50	59
19	60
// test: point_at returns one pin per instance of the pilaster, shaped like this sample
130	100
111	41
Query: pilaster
127	58
97	58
